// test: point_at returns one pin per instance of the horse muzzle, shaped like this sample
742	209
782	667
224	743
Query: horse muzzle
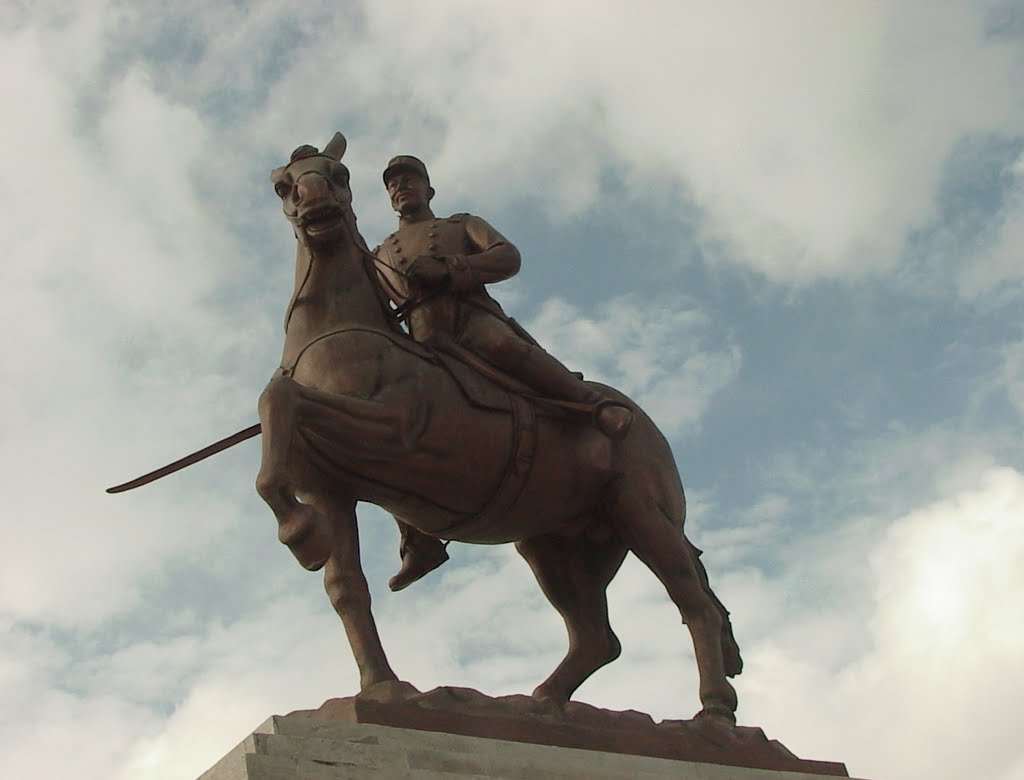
319	219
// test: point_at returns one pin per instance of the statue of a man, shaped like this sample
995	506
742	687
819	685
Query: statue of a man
438	269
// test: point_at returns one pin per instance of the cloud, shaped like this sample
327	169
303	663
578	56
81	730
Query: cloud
109	285
166	709
1013	374
811	140
798	172
994	266
653	352
942	643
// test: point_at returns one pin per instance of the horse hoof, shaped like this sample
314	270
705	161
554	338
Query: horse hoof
548	700
717	715
305	533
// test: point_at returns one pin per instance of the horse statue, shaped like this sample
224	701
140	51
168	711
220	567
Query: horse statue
358	411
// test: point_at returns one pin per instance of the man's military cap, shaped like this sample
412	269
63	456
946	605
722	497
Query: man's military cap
407	162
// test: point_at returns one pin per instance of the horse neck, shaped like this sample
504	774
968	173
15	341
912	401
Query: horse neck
333	291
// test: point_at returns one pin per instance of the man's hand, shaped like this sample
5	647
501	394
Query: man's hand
428	272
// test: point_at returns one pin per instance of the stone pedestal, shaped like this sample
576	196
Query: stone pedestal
397	732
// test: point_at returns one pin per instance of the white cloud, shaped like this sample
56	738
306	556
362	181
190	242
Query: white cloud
811	137
996	266
653	352
108	280
943	643
1013	374
293	669
110	717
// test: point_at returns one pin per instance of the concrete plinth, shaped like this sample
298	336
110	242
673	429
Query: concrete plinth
295	747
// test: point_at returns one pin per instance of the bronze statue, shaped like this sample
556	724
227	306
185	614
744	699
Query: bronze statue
454	437
359	411
437	270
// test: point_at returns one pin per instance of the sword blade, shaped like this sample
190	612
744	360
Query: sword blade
188	460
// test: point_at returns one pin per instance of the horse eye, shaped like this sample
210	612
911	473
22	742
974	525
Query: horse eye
282	189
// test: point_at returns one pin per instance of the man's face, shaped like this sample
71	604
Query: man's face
409	192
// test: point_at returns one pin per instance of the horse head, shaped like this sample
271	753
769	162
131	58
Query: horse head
314	192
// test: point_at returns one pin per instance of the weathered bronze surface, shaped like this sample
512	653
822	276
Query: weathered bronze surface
359	411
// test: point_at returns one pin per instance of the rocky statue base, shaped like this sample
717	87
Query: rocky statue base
393	731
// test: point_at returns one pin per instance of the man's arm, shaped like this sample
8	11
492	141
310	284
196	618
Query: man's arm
494	260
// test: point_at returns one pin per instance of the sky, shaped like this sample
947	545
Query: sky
790	230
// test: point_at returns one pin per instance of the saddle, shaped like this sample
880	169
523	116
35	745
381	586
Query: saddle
482	384
487	386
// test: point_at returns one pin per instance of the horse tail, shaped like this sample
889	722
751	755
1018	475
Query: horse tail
730	648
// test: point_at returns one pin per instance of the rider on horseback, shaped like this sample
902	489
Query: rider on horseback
436	270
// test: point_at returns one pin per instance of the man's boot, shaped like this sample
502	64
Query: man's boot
421	554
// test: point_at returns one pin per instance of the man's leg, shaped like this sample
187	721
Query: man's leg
495	341
421	554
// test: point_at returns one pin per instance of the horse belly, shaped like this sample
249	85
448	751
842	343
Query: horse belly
559	494
458	461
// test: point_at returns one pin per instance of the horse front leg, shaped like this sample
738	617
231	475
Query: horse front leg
301	527
349	594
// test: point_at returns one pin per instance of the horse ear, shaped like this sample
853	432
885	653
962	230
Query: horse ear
336	148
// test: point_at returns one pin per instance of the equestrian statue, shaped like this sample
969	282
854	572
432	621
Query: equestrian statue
462	427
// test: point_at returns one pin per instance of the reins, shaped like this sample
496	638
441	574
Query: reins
403	310
395	315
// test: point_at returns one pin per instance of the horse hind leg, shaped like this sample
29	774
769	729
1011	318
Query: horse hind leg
731	657
657	539
300	526
574	574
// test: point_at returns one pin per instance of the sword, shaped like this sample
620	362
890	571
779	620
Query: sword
188	460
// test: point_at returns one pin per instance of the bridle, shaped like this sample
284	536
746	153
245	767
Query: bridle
396	315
